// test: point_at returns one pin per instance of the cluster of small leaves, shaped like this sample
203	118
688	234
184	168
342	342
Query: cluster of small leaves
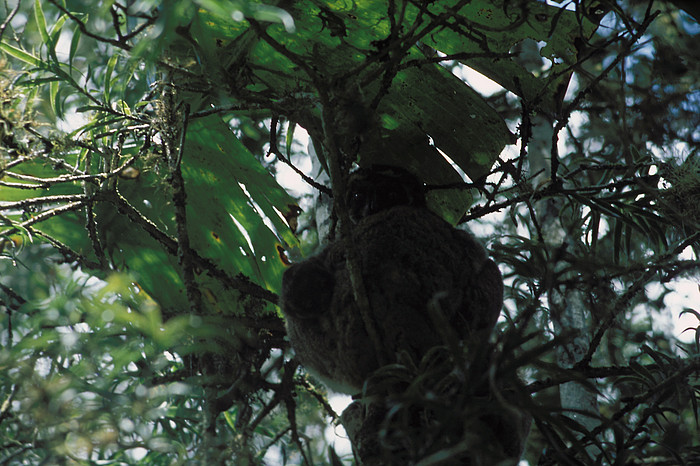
130	385
92	371
621	242
77	365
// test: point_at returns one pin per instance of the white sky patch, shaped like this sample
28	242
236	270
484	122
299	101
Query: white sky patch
290	180
287	177
336	435
339	440
483	85
63	45
72	121
339	401
566	4
576	120
685	293
19	22
686	296
571	92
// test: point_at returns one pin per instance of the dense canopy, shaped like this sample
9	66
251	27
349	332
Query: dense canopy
147	216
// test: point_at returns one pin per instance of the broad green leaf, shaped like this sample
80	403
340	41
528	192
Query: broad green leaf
423	102
495	26
225	180
456	117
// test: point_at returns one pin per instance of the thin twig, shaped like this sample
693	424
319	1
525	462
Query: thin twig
35	201
9	18
69	254
185	254
275	150
43	183
85	31
72	206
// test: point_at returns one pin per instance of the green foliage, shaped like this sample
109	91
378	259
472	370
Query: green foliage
77	367
143	235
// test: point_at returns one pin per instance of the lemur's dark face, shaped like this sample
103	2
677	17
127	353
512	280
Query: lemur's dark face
381	187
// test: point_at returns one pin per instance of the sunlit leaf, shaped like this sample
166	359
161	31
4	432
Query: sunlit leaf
107	86
21	54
